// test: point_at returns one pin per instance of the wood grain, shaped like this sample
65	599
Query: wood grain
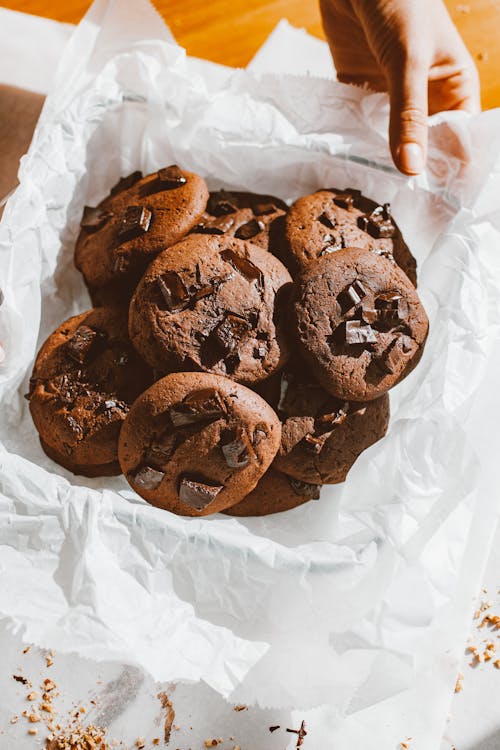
230	31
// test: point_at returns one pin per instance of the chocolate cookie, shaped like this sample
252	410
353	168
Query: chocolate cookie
85	377
321	436
212	304
246	216
275	493
141	217
330	220
195	443
360	324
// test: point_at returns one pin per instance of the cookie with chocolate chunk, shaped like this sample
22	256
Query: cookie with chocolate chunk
321	436
360	324
330	220
215	304
246	216
196	443
86	376
141	217
275	493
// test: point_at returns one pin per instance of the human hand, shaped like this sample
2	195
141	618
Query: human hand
411	49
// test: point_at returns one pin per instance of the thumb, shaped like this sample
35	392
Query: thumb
408	121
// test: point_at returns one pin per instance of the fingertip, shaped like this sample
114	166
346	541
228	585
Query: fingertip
410	158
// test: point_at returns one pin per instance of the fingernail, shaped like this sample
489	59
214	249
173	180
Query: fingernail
411	158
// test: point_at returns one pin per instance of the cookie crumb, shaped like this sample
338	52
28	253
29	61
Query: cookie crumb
458	684
274	728
32	730
32	696
14	720
20	678
25	651
240	707
140	743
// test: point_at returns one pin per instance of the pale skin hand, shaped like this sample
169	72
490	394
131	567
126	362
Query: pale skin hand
411	49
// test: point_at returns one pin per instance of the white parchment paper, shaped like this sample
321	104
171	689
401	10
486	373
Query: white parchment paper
345	602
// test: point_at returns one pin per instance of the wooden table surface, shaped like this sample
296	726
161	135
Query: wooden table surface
230	31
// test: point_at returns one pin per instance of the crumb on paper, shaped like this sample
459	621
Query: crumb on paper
25	650
211	743
497	664
156	741
168	708
458	684
33	696
34	718
20	678
49	659
300	732
240	707
140	743
274	727
32	730
14	720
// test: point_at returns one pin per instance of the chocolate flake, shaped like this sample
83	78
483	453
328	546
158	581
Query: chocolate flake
391	357
124	183
219	225
94	218
147	478
249	230
173	291
171	177
351	296
80	345
20	678
136	221
379	224
304	489
230	332
244	266
198	406
334	419
355	333
315	444
301	734
239	452
196	494
274	728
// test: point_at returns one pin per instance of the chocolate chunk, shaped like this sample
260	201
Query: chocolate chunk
331	244
328	219
391	357
147	478
80	345
173	291
274	728
351	296
259	352
244	266
261	209
355	333
135	222
229	333
94	218
304	489
333	419
314	443
199	406
223	207
219	225
171	177
239	452
347	199
368	314
124	183
249	230
260	434
232	362
379	223
198	495
205	291
392	309
121	263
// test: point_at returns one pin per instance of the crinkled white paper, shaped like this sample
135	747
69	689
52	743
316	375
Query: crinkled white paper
344	602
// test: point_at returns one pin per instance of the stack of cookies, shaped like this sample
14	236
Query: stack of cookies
240	352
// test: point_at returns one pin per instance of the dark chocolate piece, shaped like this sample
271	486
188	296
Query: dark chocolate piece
223	207
173	291
135	222
391	357
219	225
327	220
351	296
274	728
249	230
304	489
244	266
238	453
197	495
171	177
392	309
124	183
348	199
379	223
161	451
147	478
355	333
94	218
80	345
121	263
199	406
229	333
